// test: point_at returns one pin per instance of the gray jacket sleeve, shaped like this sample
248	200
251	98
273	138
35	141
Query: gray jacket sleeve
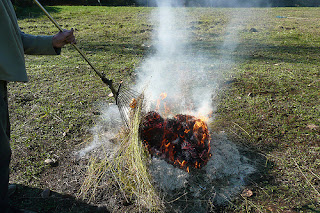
38	45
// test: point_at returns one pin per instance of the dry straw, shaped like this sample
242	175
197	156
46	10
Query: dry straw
126	171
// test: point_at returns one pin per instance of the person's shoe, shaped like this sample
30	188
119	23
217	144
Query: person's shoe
12	188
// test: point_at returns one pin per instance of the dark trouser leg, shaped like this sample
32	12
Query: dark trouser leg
5	151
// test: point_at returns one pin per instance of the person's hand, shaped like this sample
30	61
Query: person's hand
63	38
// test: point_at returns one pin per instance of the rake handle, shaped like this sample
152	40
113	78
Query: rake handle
103	78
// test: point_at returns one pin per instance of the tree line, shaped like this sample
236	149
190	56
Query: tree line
197	3
30	3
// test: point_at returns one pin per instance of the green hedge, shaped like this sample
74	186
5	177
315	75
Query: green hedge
28	3
205	3
22	3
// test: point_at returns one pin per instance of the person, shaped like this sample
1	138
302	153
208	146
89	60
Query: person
13	45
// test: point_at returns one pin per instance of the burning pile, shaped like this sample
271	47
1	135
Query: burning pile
182	140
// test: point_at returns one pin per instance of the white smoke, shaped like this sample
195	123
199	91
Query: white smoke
219	181
189	77
104	132
175	68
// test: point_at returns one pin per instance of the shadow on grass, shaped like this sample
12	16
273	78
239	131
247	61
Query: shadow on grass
30	199
295	54
34	12
116	48
311	207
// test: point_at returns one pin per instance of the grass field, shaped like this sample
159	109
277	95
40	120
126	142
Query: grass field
269	101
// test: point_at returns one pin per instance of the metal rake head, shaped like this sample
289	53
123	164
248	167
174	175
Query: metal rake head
127	100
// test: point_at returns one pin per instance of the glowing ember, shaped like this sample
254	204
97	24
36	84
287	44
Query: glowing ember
183	140
133	103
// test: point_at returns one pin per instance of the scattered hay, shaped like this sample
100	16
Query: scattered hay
126	169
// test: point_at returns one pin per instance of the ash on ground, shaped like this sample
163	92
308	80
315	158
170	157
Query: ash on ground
223	178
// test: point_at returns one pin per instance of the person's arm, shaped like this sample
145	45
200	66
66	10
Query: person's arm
37	45
46	45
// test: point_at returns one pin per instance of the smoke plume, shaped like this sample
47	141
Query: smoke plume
176	69
191	79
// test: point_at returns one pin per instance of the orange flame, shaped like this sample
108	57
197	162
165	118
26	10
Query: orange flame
200	127
183	140
133	103
163	95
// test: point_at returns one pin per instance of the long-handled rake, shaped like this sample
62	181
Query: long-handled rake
125	98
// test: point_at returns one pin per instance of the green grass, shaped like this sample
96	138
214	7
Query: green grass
270	99
272	103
